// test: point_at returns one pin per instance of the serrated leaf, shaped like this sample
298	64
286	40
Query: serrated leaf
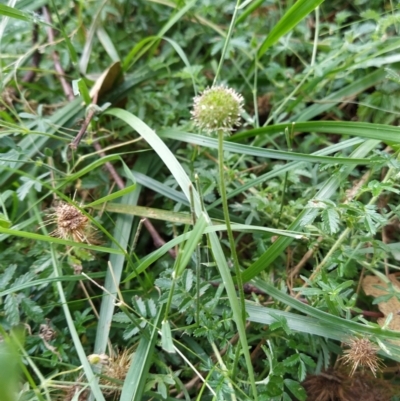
24	278
133	329
28	185
151	308
291	360
301	371
11	309
330	219
121	317
282	323
188	279
199	332
309	217
32	310
369	224
296	389
6	277
307	360
140	306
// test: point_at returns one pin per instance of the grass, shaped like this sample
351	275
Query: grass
230	267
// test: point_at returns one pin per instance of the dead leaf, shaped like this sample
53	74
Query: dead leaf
370	284
107	80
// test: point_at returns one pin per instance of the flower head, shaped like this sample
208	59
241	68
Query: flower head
217	109
71	223
361	352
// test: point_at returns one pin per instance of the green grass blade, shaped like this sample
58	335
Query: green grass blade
112	196
330	322
288	167
191	244
292	17
45	281
328	102
91	378
328	189
136	377
121	234
54	240
380	132
256	151
183	180
11	12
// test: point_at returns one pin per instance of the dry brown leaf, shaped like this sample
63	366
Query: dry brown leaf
370	284
107	80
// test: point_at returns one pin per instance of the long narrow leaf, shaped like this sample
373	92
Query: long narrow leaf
136	377
328	189
292	17
183	180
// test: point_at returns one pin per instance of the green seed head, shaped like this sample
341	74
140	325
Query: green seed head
217	109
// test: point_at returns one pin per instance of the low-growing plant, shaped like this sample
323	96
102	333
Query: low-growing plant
199	200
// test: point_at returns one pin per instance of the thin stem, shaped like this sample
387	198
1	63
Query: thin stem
228	223
228	36
314	52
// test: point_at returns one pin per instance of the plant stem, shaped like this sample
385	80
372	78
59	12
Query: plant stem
228	223
227	39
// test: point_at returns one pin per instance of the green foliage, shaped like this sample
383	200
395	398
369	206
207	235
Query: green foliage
308	206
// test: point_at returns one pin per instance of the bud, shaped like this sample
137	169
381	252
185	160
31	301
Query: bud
217	109
98	359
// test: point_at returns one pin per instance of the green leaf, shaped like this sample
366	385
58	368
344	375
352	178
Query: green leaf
330	220
9	365
188	277
296	389
32	310
121	317
166	337
291	360
254	150
301	371
136	377
46	238
11	309
380	132
184	182
328	189
82	89
112	196
307	360
292	17
17	14
4	222
7	276
140	306
191	244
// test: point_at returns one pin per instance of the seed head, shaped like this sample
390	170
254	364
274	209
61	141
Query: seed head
362	352
71	223
116	371
217	109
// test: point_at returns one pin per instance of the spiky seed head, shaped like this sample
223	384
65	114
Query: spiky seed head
116	371
71	223
362	352
217	109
